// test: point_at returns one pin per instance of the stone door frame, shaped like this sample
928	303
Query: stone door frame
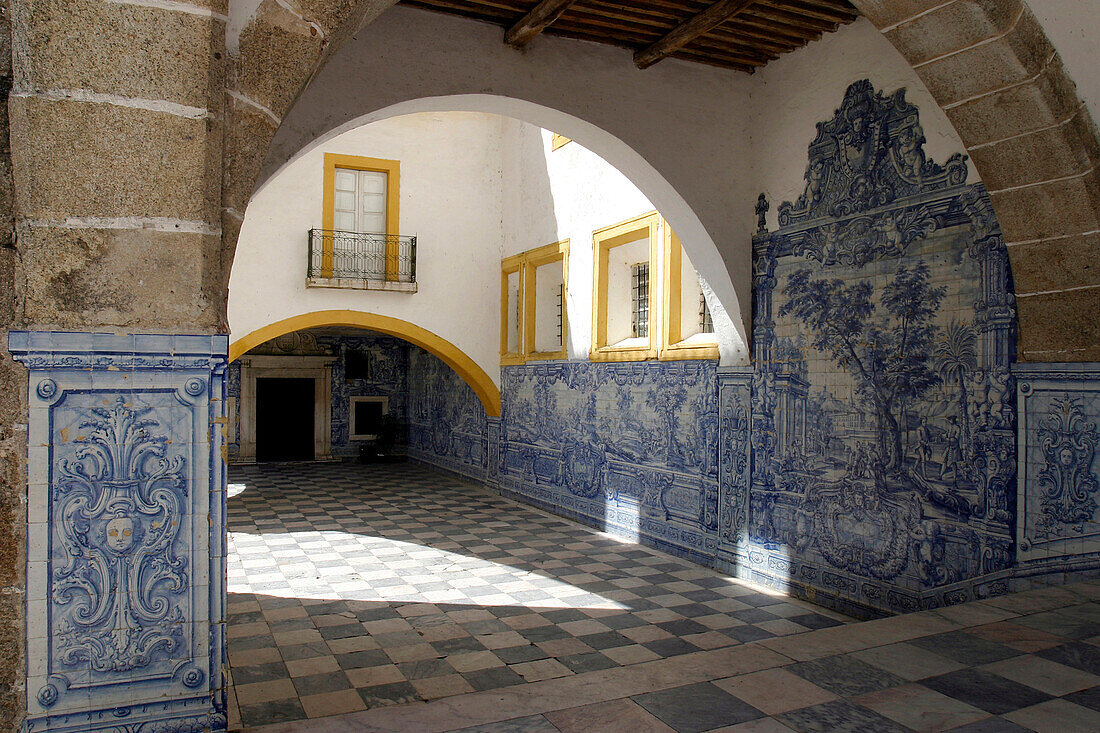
317	368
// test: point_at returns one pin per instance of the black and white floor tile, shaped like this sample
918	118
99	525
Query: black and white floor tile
352	587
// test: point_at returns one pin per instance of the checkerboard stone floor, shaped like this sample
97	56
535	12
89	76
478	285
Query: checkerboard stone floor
465	650
353	587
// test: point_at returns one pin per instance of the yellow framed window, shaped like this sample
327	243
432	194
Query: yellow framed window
511	310
545	286
688	330
626	257
558	140
361	196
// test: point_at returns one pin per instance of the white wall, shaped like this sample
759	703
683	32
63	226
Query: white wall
473	188
450	199
1073	26
798	90
676	130
700	143
566	193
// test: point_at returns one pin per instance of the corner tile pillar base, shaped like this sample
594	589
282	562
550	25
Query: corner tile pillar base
1058	455
125	537
493	456
734	463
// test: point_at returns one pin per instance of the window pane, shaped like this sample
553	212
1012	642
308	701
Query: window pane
373	223
345	201
372	181
373	203
345	179
344	221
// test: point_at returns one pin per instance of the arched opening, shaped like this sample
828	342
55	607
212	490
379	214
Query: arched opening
463	365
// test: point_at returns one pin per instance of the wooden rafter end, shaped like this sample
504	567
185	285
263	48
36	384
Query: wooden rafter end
689	30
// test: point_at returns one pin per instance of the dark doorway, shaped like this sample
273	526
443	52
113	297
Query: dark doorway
284	419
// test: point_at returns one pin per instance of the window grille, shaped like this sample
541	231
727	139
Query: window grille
561	310
639	291
706	325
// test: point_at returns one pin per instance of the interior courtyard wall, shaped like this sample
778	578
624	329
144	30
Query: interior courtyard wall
567	192
387	376
448	427
450	199
588	92
798	90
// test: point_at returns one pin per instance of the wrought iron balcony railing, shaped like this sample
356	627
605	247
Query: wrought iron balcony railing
359	256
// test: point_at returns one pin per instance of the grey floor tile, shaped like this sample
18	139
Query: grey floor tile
1089	698
698	707
985	690
278	711
315	684
530	724
965	648
1075	654
491	679
394	693
259	673
845	675
839	716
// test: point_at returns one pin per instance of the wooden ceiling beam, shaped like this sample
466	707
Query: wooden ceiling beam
841	9
535	22
771	29
690	29
797	20
832	13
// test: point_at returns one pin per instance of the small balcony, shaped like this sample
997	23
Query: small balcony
360	261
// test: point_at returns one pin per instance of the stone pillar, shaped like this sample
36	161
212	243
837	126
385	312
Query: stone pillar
125	542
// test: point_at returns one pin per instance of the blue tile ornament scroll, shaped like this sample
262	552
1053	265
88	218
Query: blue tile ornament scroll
126	509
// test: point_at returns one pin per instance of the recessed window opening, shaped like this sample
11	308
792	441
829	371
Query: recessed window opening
639	299
357	364
549	280
367	415
706	324
627	257
511	310
560	312
688	328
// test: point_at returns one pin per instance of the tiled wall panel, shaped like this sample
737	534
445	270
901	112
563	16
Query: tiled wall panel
126	510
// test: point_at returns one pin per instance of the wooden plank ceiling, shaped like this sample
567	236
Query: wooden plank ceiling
736	34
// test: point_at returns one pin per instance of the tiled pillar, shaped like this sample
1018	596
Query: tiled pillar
492	469
1058	454
734	462
125	540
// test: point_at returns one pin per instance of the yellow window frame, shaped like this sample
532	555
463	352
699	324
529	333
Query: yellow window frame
508	266
393	202
603	241
673	346
534	259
